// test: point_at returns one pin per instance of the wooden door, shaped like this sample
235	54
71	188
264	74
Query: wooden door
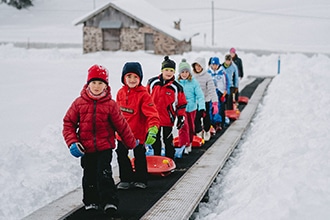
111	39
149	42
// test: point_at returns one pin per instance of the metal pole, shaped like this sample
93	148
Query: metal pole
212	23
278	64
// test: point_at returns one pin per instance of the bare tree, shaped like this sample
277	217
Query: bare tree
19	4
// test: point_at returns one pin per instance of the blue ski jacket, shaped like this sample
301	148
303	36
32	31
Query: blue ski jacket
220	79
193	93
232	73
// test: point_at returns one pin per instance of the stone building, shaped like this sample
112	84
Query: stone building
120	25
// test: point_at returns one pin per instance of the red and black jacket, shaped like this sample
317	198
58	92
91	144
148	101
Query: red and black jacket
169	99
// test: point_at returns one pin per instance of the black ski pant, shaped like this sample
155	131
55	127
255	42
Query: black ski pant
166	132
222	108
97	182
126	172
206	120
230	100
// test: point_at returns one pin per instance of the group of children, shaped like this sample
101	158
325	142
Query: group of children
140	115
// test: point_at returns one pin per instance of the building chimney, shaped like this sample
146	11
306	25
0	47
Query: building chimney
177	24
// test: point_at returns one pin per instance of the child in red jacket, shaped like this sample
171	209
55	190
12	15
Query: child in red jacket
170	102
141	114
89	130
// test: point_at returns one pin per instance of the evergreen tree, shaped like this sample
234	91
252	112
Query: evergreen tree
19	4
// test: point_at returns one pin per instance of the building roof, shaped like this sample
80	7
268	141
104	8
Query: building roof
143	12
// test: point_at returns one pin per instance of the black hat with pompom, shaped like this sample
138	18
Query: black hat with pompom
168	63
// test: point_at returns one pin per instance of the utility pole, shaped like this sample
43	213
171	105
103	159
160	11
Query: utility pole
212	23
279	65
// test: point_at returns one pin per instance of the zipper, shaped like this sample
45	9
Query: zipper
128	91
94	125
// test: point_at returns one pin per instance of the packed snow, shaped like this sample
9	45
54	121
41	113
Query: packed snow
280	170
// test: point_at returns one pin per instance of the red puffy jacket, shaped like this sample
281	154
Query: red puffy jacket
169	99
93	123
138	109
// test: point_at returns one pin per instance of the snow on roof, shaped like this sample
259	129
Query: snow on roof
143	12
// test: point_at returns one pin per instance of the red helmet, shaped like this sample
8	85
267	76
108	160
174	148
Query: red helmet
98	72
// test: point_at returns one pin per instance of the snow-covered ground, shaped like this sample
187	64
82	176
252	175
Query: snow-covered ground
281	167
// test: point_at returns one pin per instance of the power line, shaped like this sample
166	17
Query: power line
252	12
272	13
55	10
215	8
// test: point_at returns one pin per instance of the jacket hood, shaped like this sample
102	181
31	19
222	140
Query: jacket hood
201	61
84	94
138	88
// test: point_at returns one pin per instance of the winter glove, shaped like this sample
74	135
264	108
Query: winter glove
215	108
152	133
149	150
77	150
223	98
180	122
203	113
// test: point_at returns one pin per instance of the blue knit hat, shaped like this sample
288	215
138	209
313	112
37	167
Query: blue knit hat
132	67
215	60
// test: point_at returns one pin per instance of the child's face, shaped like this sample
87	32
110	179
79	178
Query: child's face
214	66
168	73
228	62
132	80
198	68
97	87
184	74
